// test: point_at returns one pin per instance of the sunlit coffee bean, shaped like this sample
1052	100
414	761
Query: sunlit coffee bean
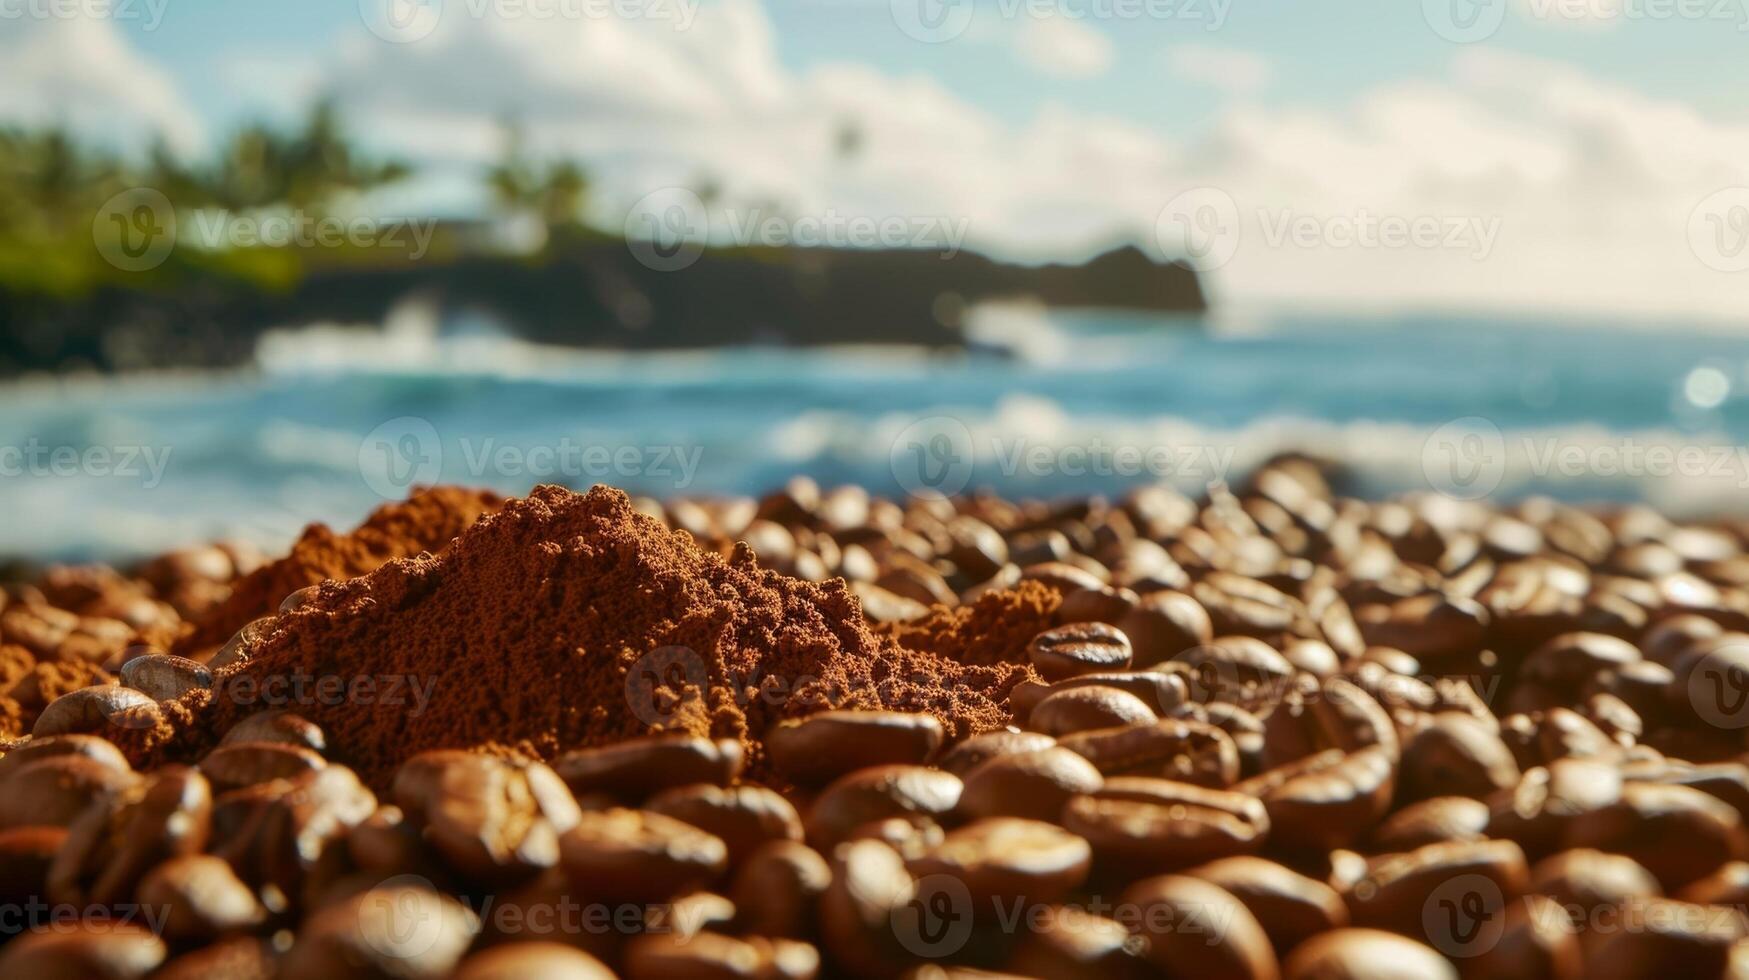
394	930
166	813
1006	858
84	948
821	747
278	726
744	816
1164	624
972	752
1365	954
1079	709
1480	877
1137	824
201	898
1186	751
95	709
1069	943
1034	785
778	887
248	763
1440	820
870	888
1456	755
1290	906
1678	833
1079	648
1327	800
55	790
635	855
164	677
1194	928
489	817
877	793
89	746
634	769
532	961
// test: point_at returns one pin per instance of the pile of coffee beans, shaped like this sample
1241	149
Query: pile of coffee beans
1276	733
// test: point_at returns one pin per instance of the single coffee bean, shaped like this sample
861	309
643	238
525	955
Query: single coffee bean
89	746
1536	940
275	834
667	956
1237	669
532	961
1365	954
777	888
912	836
1482	876
870	886
877	793
299	599
1186	751
1665	938
278	726
1567	661
819	748
390	931
1078	709
164	677
84	948
1727	885
53	791
745	816
1139	825
1327	800
1583	881
969	754
166	813
634	769
1070	943
94	709
1105	604
235	957
1196	929
1289	906
1034	785
241	646
691	914
1006	858
1678	833
1456	755
1164	624
634	855
1546	801
1313	716
489	817
247	763
1440	820
201	898
1159	690
1079	648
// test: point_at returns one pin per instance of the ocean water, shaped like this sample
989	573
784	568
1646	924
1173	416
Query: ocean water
334	421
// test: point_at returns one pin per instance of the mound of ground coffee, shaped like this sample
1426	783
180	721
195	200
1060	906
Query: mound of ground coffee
568	620
993	629
427	521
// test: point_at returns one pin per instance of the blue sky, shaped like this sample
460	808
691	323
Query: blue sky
1595	163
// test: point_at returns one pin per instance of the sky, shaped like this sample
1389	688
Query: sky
1577	157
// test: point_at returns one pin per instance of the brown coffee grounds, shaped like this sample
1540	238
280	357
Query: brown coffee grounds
27	685
425	522
994	629
568	620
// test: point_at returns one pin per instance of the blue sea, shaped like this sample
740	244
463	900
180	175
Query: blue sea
333	421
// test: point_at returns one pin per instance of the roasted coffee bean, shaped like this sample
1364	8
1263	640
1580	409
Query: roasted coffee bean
1034	785
1105	604
163	677
55	789
95	709
1290	906
1078	709
278	726
1137	824
1069	943
870	886
877	793
1326	800
236	958
777	888
82	950
89	746
1431	626
1365	954
1313	716
819	748
1727	885
1196	929
1006	858
391	931
201	898
1079	648
489	817
1537	939
532	961
635	855
165	814
1312	656
1243	606
1661	937
974	751
911	836
1440	820
1480	876
1161	691
276	834
709	956
1568	661
1583	881
1235	669
745	817
1163	625
1678	833
1186	751
634	769
25	856
1456	755
242	764
241	646
691	914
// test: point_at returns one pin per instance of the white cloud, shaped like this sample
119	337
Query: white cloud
79	72
1063	48
1228	69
